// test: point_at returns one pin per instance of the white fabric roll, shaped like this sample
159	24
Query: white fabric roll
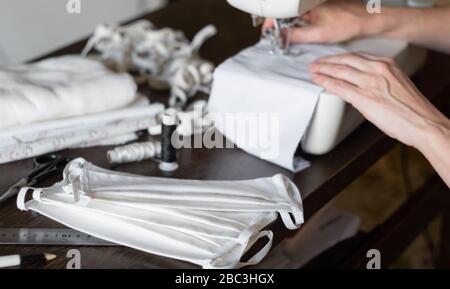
99	129
61	87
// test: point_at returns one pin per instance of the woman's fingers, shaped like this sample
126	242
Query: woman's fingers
368	56
364	62
376	72
349	59
343	72
347	91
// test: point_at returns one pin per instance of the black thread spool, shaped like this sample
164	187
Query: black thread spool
168	151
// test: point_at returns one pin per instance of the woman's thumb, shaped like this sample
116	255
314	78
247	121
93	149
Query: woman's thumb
268	23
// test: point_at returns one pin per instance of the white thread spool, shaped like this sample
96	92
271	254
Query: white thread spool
134	152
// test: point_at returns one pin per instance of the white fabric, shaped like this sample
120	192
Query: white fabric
108	128
257	82
110	141
61	87
209	223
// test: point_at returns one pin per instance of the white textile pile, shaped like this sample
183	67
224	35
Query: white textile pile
164	56
209	223
68	102
60	87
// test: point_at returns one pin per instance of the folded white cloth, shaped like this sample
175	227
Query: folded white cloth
61	87
107	128
110	141
273	91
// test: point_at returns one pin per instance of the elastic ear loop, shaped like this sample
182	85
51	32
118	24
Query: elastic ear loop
20	202
261	253
21	205
255	259
287	219
246	241
203	35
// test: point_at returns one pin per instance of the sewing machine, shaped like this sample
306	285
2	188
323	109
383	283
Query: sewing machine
333	119
278	9
285	14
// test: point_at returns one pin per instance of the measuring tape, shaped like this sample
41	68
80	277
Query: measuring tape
50	237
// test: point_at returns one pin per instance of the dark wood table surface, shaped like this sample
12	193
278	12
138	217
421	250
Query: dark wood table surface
327	176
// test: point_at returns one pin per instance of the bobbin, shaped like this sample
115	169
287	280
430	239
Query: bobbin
168	151
134	152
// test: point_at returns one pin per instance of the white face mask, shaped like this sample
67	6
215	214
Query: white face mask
209	223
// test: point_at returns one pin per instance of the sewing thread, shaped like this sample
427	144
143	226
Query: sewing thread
168	151
134	152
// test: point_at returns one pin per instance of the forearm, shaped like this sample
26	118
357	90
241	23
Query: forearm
436	148
425	27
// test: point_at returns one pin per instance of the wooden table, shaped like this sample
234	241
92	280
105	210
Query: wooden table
326	178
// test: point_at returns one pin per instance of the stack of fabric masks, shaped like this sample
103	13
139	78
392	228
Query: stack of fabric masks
276	92
209	223
67	102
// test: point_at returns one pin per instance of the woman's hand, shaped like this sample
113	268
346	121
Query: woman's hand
380	91
342	20
334	21
378	88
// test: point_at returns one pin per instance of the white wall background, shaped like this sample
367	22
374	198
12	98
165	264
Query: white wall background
30	28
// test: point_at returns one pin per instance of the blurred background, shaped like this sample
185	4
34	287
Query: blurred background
30	28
